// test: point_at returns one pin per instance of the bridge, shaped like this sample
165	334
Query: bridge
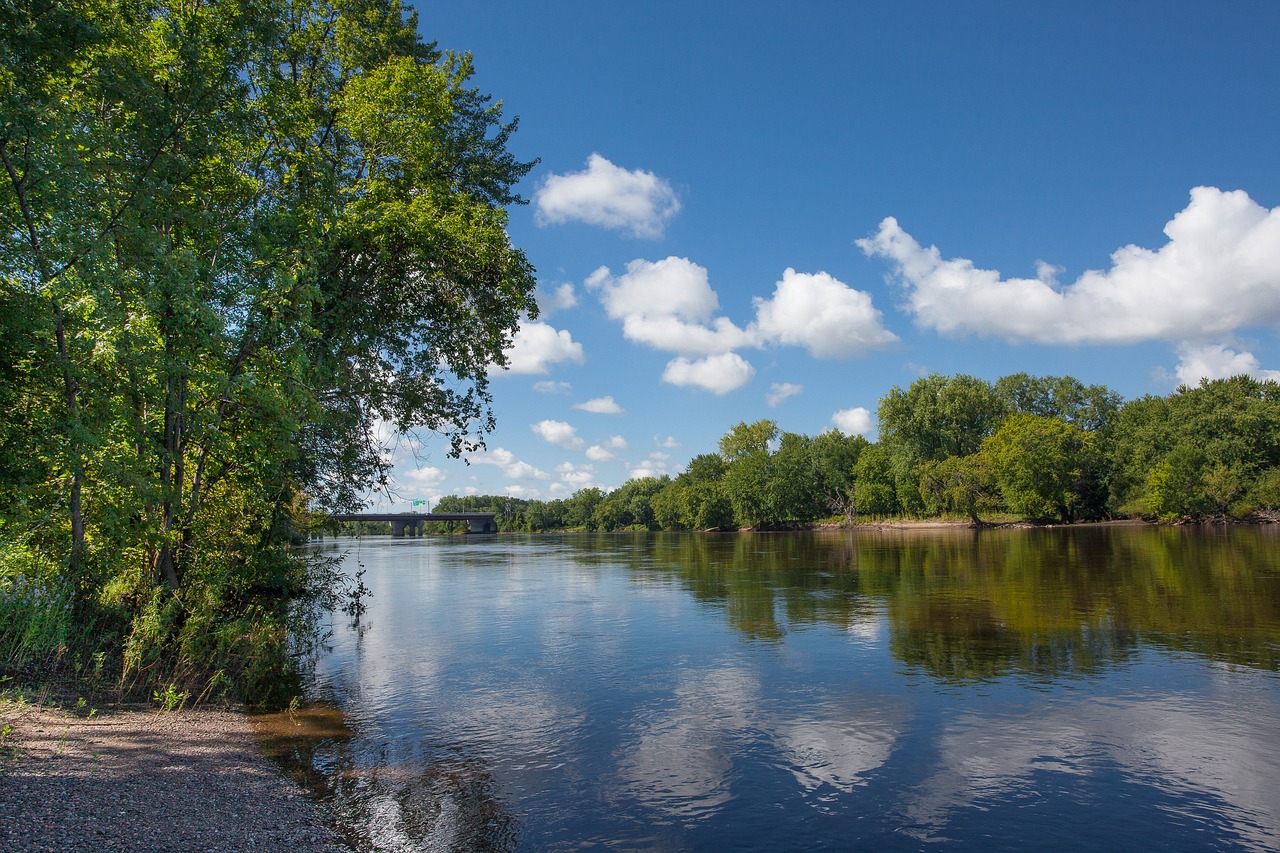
410	523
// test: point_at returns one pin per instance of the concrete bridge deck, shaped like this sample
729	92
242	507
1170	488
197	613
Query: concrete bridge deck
410	523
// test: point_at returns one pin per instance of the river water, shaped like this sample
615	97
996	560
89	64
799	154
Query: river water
1068	689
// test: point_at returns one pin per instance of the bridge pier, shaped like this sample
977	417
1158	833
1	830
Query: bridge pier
410	527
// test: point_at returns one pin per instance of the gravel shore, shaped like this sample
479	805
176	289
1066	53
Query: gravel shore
132	778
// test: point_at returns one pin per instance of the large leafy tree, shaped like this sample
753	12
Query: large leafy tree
935	418
874	492
959	484
1044	467
1093	408
749	469
239	239
695	500
835	455
1198	449
795	487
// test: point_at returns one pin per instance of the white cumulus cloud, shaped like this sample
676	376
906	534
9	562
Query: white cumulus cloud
780	391
548	386
855	421
576	476
1217	361
521	492
668	305
512	468
559	298
656	464
822	314
600	406
608	196
537	346
597	453
718	374
1219	271
425	477
558	433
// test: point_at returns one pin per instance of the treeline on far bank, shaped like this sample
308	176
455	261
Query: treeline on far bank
1047	449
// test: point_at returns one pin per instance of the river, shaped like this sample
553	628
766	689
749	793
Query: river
1067	688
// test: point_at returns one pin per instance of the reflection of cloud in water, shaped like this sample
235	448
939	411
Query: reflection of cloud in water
386	831
446	806
867	629
838	753
417	803
1231	756
1189	749
681	762
520	723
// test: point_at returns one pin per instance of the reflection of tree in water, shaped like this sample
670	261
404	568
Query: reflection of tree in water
982	606
766	583
438	803
966	605
969	643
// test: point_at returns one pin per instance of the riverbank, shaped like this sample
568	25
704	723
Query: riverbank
1261	517
131	777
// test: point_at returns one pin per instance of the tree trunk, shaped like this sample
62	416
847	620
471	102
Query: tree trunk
71	388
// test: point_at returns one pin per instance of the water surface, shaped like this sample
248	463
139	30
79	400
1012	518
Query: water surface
1080	689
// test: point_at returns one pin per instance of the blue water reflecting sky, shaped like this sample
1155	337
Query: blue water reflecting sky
588	692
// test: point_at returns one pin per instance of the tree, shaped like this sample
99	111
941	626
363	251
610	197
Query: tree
1265	492
1042	466
705	467
1197	449
748	440
690	504
835	455
747	483
936	417
962	484
1093	408
695	500
795	490
579	509
748	470
1175	486
629	505
939	416
874	492
241	237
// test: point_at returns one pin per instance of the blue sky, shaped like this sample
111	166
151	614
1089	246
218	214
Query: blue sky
751	210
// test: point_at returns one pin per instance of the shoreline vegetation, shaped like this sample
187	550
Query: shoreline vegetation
1030	450
908	524
241	242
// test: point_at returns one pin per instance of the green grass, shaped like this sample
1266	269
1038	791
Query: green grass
35	608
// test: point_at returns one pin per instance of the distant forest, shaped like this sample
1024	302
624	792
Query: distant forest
1046	449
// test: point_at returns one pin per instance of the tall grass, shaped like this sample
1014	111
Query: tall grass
35	607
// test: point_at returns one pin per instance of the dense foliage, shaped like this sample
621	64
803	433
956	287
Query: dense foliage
239	240
1040	448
